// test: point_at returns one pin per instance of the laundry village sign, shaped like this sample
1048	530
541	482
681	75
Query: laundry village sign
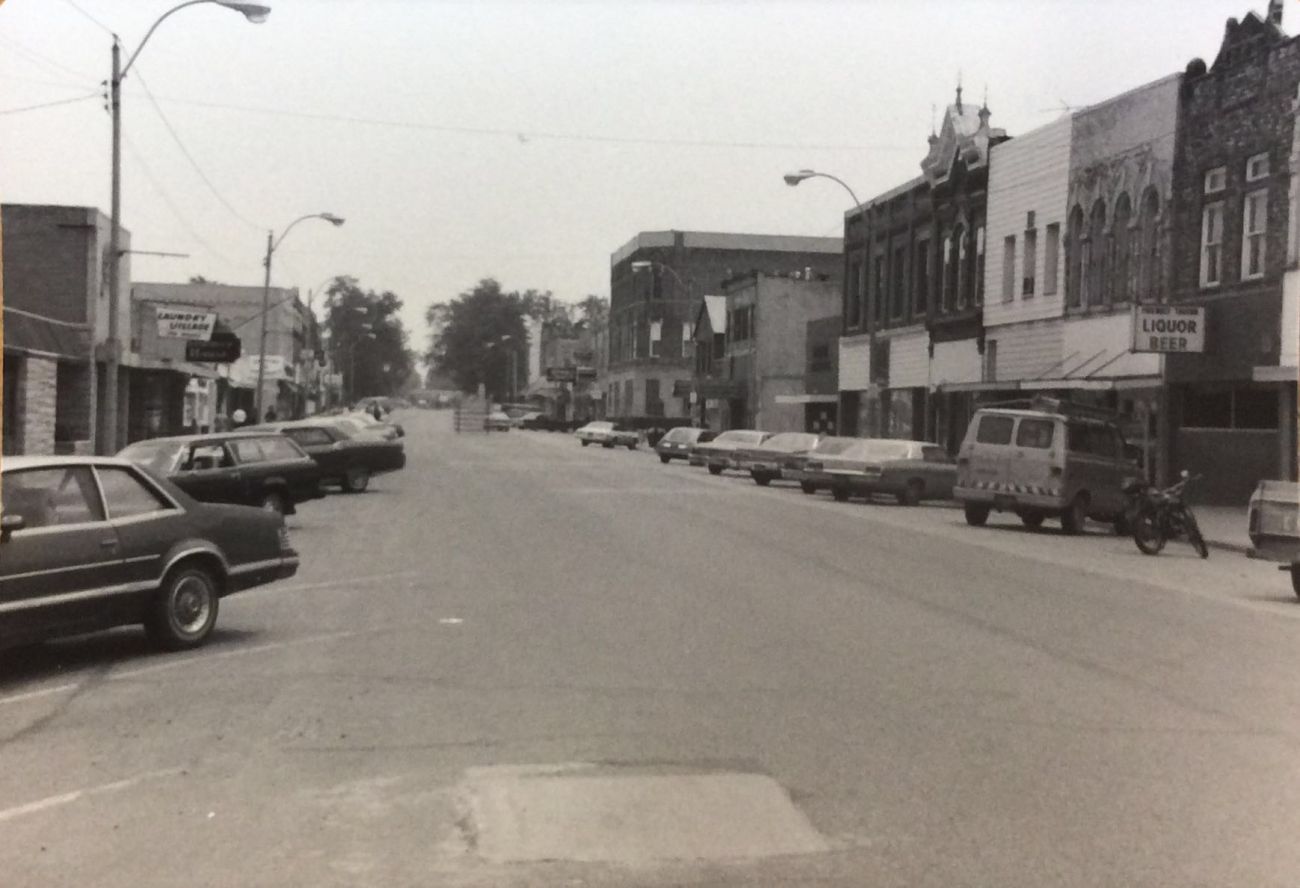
1168	329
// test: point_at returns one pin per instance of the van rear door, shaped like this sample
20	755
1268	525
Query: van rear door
989	454
1035	453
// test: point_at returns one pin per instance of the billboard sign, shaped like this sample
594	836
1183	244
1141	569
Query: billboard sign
185	323
1168	329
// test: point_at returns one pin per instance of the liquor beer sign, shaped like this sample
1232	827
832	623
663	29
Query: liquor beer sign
1168	329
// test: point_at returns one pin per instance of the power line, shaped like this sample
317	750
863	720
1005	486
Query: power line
94	95
171	205
43	60
190	157
527	135
91	18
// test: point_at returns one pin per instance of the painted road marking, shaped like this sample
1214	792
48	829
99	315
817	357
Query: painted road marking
451	621
43	692
237	652
329	584
68	797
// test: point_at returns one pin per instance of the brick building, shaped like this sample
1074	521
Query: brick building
657	280
55	317
1235	209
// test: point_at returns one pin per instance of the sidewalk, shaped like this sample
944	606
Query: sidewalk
1224	527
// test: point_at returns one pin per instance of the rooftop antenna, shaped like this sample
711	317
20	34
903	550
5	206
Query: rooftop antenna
958	90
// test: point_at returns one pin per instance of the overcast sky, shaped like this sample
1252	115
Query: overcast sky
528	141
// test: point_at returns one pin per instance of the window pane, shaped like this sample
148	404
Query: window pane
1207	410
1255	409
125	495
280	448
1035	433
49	497
247	451
995	430
202	457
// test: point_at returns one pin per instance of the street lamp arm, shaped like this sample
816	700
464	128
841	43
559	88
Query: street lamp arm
253	12
796	178
328	217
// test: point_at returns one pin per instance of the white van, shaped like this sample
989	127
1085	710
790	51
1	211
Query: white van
1044	458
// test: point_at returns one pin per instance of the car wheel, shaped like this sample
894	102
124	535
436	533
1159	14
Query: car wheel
841	494
715	470
584	443
608	445
807	487
185	610
632	446
1032	520
911	495
274	501
762	479
665	459
976	514
1121	525
1295	579
357	479
1075	515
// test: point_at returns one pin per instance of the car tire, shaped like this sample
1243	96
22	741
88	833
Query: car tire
665	459
1032	520
1295	579
184	611
976	515
715	470
762	479
632	446
841	494
912	493
608	445
807	488
1075	515
357	479
584	443
274	501
1121	525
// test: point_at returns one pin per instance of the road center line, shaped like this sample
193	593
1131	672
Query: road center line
68	797
43	692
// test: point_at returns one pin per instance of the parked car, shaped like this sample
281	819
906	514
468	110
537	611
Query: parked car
764	461
522	420
89	543
246	468
677	442
717	455
387	427
359	428
909	471
808	468
607	434
1044	458
345	460
1273	525
496	421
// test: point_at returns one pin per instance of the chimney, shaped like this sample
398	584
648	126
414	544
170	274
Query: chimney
1275	12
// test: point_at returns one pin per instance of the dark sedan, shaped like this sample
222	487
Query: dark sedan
344	459
909	471
678	442
765	461
244	468
719	454
89	543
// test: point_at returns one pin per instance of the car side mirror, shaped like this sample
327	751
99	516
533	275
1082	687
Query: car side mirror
10	522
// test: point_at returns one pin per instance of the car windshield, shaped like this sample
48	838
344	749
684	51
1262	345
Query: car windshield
681	435
739	436
877	450
599	426
789	442
161	456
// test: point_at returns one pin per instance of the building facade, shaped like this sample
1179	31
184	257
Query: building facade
657	281
1235	206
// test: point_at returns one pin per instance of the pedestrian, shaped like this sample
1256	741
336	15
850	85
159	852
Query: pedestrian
270	415
238	418
376	411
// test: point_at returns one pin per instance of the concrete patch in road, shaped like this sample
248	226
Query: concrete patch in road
591	814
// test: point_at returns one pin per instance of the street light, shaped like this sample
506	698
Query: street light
273	244
255	13
793	179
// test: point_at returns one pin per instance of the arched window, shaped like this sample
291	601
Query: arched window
1121	252
1096	270
1074	259
1148	248
952	268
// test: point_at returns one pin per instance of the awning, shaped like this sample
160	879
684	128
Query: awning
26	331
1090	385
976	386
807	399
202	371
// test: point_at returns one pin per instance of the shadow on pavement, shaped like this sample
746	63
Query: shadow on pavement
98	652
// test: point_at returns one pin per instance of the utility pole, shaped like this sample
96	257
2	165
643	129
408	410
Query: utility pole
112	346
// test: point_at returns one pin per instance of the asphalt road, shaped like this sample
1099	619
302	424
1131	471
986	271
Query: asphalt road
522	662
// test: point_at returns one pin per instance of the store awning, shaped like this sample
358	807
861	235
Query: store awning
1090	385
202	371
26	331
976	386
807	399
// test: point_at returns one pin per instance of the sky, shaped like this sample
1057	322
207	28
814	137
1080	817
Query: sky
529	141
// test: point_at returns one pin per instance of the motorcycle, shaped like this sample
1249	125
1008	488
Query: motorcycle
1157	516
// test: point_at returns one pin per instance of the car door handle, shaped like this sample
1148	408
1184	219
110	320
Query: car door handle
108	544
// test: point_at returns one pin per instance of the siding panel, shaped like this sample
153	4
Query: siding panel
855	363
909	360
955	362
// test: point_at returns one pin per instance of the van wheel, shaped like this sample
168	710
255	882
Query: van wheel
762	479
1075	515
1032	519
807	488
976	515
911	495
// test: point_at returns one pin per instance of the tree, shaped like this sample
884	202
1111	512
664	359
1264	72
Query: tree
368	339
473	336
594	310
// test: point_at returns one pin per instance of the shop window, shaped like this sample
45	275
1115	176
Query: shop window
1051	258
1254	223
1212	244
1254	409
1208	409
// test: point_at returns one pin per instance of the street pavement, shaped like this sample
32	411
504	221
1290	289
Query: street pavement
523	662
